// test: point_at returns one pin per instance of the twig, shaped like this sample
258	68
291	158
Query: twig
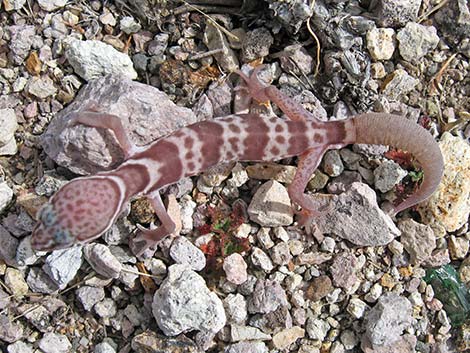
317	65
437	77
205	54
139	273
430	12
26	312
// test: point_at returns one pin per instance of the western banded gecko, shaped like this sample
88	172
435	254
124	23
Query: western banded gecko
86	207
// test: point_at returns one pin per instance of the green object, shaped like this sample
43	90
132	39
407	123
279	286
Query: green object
451	292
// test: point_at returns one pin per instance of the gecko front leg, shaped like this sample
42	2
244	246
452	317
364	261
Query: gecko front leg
147	238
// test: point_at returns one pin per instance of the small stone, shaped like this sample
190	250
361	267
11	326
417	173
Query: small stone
417	239
356	308
280	254
149	341
381	43
236	308
20	347
14	5
374	293
15	281
39	282
296	247
387	175
458	247
9	124
102	260
41	87
349	339
397	12
272	171
264	238
235	268
332	163
214	39
8	246
416	40
317	329
129	25
104	347
63	265
54	343
398	83
21	40
261	259
319	288
106	308
247	347
10	331
283	339
256	44
270	206
343	270
267	297
89	296
247	333
328	244
182	251
51	5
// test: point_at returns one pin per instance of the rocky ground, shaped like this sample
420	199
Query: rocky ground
243	276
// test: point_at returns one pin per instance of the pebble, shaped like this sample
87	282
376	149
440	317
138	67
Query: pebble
63	265
270	205
387	175
416	40
5	299
129	25
267	297
343	270
332	163
417	239
398	83
149	341
261	259
256	44
15	281
104	347
102	260
299	55
91	59
89	296
280	254
319	288
247	347
19	347
458	247
8	121
385	322
41	87
272	171
264	238
235	268
54	343
247	333
6	194
381	43
235	308
393	13
349	339
182	251
10	331
328	244
356	307
106	308
14	5
184	303
51	5
21	40
317	329
39	282
283	339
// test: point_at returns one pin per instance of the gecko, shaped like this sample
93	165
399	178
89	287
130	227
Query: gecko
86	207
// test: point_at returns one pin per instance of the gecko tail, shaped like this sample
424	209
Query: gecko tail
399	132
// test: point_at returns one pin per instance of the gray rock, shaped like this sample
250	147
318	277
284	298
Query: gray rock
10	331
14	280
5	300
104	347
92	59
332	163
387	175
270	206
41	87
9	124
21	40
146	114
381	43
214	39
386	321
6	195
129	25
247	333
8	246
355	216
280	254
417	239
393	13
235	268
39	282
293	14
343	270
102	260
25	255
416	40
256	44
14	5
398	83
55	343
63	265
267	297
261	259
317	329
184	303
51	5
19	347
182	251
89	296
247	347
235	308
106	308
357	308
297	60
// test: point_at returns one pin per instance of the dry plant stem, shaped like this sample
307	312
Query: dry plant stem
230	3
213	9
430	12
26	312
437	78
205	54
139	273
317	64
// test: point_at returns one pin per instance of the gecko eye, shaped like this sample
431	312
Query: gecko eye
47	215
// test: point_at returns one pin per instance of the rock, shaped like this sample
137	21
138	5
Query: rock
41	87
39	282
214	39
332	163
256	44
261	259
92	59
458	247
21	40
386	321
270	205
129	25
20	347
349	339
283	339
102	260
51	5
149	341
357	308
182	251
247	333
417	239
54	343
14	5
9	124
8	246
449	206
106	308
317	329
381	43
25	255
5	299
355	216
398	83
184	303
319	288
272	171
267	297
387	175
144	111
280	253
15	281
235	268
247	347
10	331
291	15
393	13
104	347
63	265
416	40
297	60
89	296
404	344
235	308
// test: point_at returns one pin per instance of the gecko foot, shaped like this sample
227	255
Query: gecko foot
255	88
146	239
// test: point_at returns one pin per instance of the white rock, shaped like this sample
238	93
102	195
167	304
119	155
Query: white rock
63	265
185	252
54	343
51	5
235	268
6	195
9	124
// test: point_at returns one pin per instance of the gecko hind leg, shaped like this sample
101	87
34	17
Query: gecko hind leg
147	238
91	117
308	162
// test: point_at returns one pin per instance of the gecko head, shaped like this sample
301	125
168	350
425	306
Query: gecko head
79	212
